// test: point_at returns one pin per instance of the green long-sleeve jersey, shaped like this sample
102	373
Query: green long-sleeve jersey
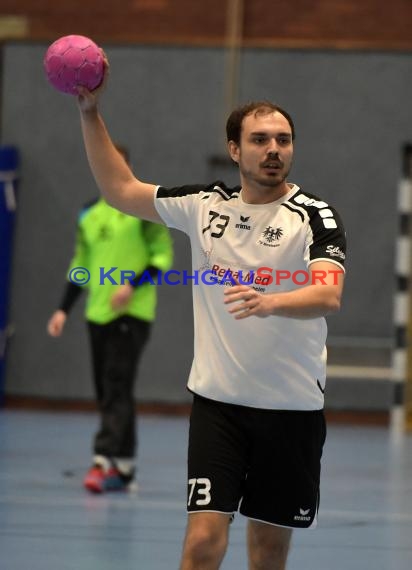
107	238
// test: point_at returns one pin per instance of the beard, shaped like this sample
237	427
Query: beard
268	181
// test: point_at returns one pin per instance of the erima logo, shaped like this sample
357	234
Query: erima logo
335	252
243	225
302	516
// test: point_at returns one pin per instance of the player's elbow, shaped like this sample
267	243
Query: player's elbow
118	198
333	303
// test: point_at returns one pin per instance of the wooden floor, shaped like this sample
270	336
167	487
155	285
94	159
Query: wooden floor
47	521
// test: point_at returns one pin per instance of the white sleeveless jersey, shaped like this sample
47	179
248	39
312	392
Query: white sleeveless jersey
274	362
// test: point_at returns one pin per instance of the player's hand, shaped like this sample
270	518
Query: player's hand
56	323
87	100
248	302
121	297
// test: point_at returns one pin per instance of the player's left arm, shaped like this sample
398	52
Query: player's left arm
321	297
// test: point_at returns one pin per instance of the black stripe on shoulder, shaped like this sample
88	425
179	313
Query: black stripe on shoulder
328	233
216	187
316	208
308	201
180	191
289	207
226	193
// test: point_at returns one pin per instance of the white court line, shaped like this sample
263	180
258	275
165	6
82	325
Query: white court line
123	501
362	515
132	502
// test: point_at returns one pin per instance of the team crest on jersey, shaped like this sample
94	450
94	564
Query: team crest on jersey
243	225
271	236
205	265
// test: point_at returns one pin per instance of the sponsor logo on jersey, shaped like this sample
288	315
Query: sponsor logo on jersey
243	223
271	236
303	515
258	279
335	251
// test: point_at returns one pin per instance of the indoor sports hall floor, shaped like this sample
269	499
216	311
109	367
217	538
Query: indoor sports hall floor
47	521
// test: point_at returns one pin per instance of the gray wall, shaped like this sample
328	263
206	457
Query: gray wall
352	113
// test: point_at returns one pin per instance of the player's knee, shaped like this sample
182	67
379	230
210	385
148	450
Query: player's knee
269	556
205	544
268	547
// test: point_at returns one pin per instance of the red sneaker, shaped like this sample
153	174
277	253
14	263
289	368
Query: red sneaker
99	480
94	479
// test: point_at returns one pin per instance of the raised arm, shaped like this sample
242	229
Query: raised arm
117	183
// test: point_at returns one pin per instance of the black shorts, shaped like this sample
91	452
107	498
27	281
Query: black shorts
264	463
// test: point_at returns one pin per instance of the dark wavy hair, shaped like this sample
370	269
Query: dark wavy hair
235	120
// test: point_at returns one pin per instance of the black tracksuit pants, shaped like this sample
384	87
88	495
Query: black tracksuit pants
116	350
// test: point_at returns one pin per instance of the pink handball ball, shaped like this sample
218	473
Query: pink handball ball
74	60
